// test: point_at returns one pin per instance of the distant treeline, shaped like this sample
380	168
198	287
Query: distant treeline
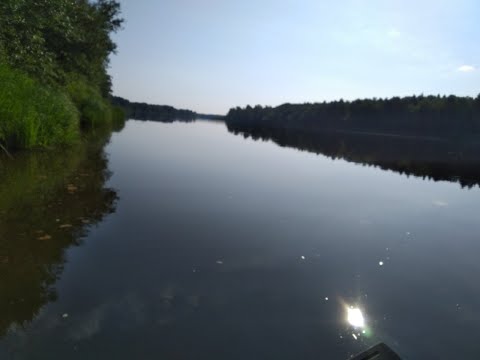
163	113
143	111
455	160
426	116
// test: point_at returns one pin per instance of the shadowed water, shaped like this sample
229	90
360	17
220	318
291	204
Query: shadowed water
221	247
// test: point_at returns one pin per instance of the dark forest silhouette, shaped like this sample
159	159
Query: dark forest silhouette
163	113
425	116
428	136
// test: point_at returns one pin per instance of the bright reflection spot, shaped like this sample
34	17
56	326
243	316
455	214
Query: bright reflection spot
355	317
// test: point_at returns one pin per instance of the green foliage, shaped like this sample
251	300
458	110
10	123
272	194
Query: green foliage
49	39
57	49
94	109
118	118
32	114
118	114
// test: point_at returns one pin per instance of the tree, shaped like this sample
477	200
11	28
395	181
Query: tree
52	39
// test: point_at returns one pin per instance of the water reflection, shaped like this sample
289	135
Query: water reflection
355	317
436	159
48	202
216	251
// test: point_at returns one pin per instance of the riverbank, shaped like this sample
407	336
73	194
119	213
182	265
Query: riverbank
54	77
35	115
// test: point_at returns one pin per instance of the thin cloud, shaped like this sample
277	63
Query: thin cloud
394	33
440	203
466	68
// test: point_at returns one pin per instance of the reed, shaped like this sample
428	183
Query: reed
33	114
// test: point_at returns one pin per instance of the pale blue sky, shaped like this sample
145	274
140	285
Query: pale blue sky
211	55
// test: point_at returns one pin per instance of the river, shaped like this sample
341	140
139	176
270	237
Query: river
186	241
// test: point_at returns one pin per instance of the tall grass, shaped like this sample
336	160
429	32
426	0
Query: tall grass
33	115
94	110
118	118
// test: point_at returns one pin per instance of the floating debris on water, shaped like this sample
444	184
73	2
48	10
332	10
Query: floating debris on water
219	262
302	257
72	188
326	299
380	263
65	316
44	237
65	226
354	336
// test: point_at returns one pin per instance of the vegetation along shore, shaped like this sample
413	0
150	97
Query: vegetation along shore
427	117
53	70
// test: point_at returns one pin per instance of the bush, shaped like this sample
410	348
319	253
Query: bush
34	115
94	109
118	118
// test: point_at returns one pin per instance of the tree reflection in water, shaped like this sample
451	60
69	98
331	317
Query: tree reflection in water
48	201
432	158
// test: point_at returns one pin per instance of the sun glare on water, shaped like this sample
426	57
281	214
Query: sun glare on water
355	317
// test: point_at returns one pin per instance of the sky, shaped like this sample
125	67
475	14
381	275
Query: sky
212	55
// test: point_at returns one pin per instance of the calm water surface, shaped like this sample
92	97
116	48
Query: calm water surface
184	241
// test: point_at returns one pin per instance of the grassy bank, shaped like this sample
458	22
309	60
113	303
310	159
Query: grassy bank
94	110
35	115
53	76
